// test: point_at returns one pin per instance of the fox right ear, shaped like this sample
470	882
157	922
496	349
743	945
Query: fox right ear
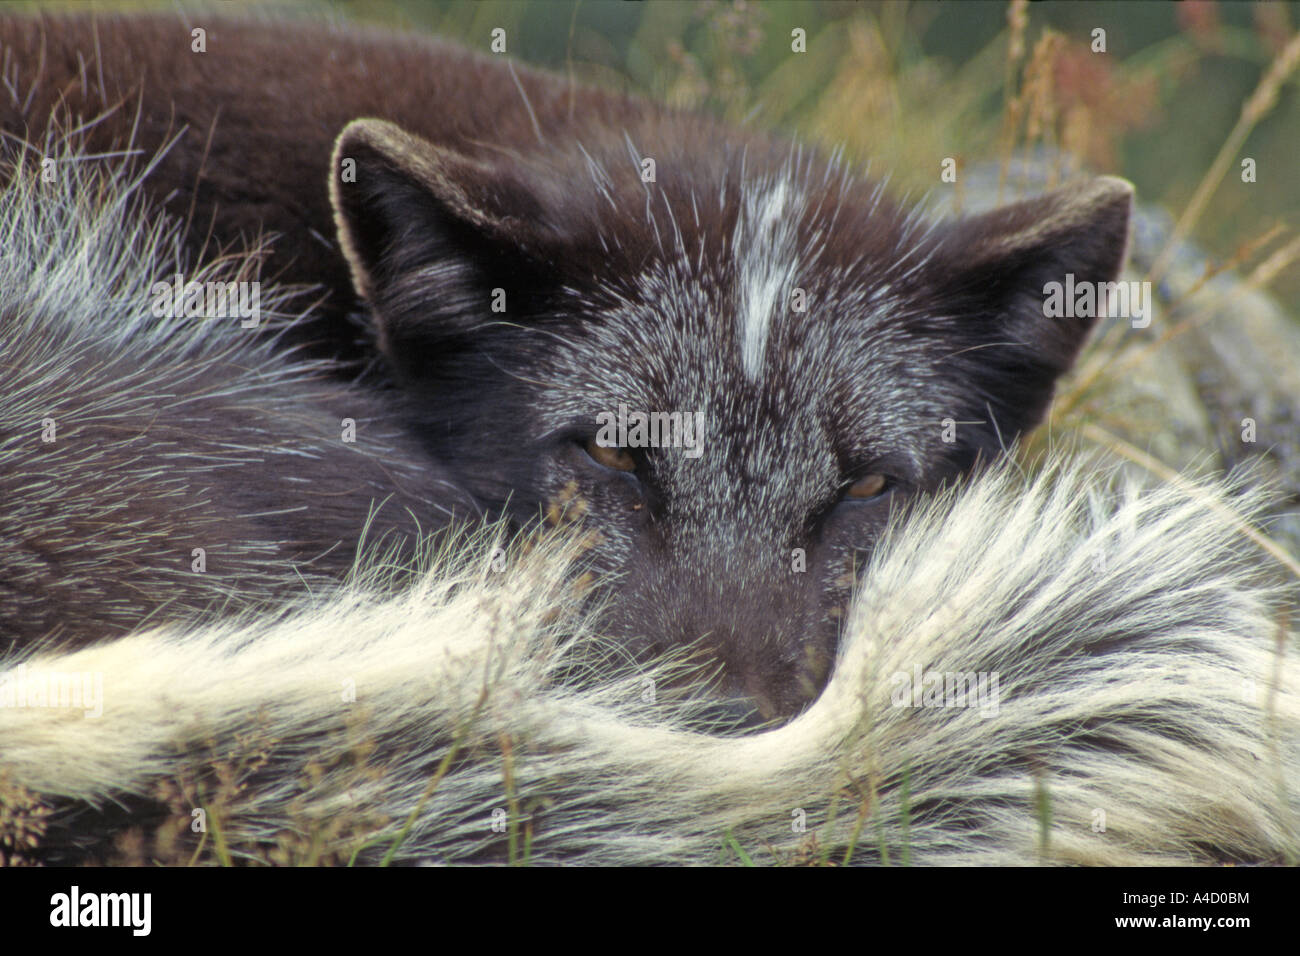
427	232
995	269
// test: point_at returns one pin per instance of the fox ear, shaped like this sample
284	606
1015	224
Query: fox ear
428	232
996	270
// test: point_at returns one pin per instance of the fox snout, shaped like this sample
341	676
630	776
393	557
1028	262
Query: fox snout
763	649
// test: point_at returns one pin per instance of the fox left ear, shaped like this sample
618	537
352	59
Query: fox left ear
996	271
429	233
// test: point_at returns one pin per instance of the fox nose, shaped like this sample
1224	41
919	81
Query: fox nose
755	651
763	675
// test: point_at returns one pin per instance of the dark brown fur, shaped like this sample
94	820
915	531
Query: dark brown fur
101	525
257	117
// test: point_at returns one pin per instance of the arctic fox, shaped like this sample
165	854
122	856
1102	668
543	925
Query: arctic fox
533	257
746	388
1032	670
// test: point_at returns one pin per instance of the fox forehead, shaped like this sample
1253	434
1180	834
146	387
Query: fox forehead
718	329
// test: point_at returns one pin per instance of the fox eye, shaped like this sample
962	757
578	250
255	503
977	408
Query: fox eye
868	486
610	457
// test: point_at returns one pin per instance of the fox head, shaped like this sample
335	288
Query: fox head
839	355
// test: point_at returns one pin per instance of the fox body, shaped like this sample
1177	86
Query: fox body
534	257
252	121
155	466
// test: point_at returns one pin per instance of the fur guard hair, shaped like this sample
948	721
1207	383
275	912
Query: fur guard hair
128	439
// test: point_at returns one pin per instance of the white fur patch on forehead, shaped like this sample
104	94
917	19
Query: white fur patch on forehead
766	246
